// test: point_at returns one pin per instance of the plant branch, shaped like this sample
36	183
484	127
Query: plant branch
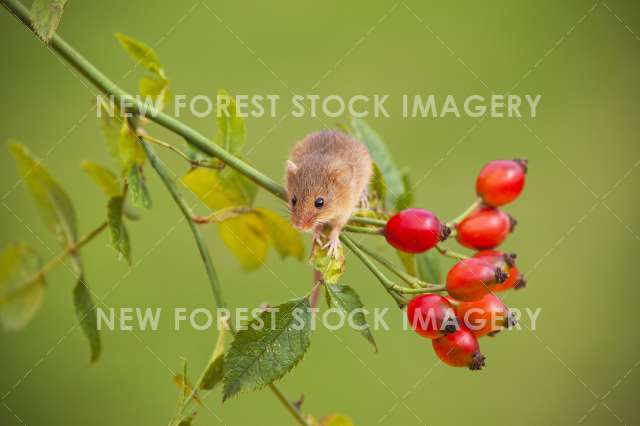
386	282
221	215
368	221
445	251
363	230
453	222
194	163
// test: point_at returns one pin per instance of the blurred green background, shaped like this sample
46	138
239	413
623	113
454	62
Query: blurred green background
577	239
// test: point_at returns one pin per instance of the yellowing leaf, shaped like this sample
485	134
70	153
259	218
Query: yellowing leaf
287	241
330	267
53	202
130	150
103	177
157	89
20	299
46	16
336	419
231	131
247	238
142	53
220	189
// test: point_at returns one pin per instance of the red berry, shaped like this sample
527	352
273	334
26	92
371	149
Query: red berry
485	228
484	316
415	230
431	316
506	262
501	181
471	279
459	349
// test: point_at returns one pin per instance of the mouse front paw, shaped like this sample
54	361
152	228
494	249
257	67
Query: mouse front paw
333	245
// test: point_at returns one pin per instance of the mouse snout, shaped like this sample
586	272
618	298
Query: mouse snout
303	223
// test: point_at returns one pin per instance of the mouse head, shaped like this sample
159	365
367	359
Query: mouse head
317	196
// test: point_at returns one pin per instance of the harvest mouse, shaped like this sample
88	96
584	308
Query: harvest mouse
327	174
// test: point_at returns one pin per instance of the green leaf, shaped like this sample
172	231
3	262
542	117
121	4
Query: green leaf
429	269
52	201
156	88
215	370
20	299
103	177
119	235
231	132
142	53
287	241
220	189
381	156
348	301
330	267
87	315
408	261
138	186
378	186
406	199
130	150
261	355
111	125
247	238
46	16
336	419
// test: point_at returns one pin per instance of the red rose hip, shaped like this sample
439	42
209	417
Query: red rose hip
415	230
484	316
485	228
471	279
459	349
506	262
501	181
431	316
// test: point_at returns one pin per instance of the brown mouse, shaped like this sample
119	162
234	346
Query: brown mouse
327	174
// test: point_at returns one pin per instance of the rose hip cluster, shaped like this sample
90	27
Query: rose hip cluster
471	309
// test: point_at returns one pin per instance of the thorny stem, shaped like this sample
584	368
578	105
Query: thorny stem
386	282
445	251
453	222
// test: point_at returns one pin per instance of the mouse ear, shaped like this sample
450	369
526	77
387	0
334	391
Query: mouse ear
344	174
291	167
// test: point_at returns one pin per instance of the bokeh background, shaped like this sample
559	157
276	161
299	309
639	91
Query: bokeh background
577	240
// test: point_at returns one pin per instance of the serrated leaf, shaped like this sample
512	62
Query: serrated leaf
46	16
247	238
20	298
119	235
259	357
408	261
157	89
336	419
137	185
53	203
220	189
406	198
142	53
231	131
429	269
348	301
381	156
87	315
103	177
330	267
214	372
287	241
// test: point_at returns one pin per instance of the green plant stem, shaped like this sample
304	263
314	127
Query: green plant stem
386	282
194	163
368	221
449	253
214	281
221	215
362	230
453	222
109	88
408	278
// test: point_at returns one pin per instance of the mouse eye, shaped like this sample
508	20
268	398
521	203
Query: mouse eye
294	200
319	202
